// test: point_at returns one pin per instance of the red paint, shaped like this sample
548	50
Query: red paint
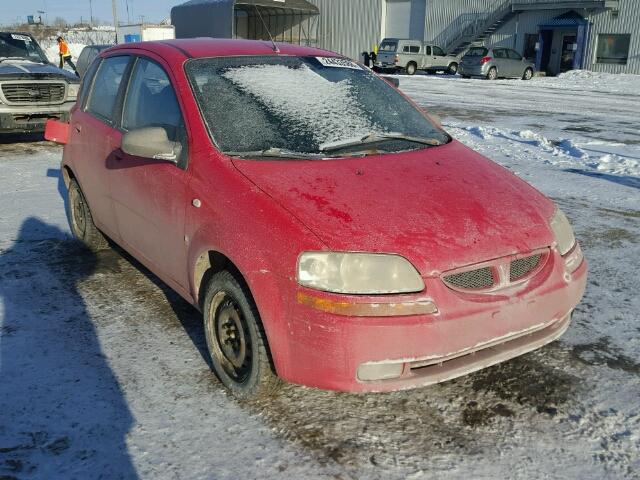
442	208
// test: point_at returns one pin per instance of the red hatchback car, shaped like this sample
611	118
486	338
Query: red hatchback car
331	233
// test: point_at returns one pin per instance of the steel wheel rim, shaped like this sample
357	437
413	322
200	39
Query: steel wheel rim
78	213
528	74
493	74
453	69
230	338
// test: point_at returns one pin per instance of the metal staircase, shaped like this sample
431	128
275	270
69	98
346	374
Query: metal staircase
480	26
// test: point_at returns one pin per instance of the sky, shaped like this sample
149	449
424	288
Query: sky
71	10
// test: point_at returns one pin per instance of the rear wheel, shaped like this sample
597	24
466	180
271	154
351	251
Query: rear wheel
493	73
453	69
236	340
411	68
81	220
528	74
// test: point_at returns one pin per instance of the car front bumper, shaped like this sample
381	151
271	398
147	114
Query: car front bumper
367	354
31	118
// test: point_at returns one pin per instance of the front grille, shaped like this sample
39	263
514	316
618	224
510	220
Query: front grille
26	93
472	280
520	268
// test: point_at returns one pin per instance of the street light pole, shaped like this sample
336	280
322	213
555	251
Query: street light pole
115	18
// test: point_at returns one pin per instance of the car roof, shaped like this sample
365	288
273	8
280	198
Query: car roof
217	47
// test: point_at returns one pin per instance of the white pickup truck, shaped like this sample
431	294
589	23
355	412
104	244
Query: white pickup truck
32	90
413	55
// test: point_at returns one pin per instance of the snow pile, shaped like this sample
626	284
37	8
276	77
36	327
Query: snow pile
594	81
600	156
308	102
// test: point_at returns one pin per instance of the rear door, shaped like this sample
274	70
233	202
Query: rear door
501	61
515	63
150	195
439	58
428	56
92	131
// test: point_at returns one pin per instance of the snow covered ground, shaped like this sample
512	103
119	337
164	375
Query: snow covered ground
103	370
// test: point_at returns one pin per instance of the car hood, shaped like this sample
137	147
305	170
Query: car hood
441	207
10	69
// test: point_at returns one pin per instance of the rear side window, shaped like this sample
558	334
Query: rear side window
87	80
106	86
513	55
438	51
411	49
477	52
500	53
151	100
427	50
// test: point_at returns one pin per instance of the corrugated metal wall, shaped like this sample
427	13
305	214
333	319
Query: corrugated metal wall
445	19
627	21
349	27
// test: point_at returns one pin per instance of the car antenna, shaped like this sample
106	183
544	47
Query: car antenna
273	43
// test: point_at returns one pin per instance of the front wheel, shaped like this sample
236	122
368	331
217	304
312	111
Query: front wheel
412	68
493	73
81	220
528	74
453	69
236	340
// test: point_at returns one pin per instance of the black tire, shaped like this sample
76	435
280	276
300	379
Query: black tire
81	220
466	76
412	68
528	74
453	68
236	340
492	74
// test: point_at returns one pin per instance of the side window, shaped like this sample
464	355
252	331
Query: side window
513	55
405	49
151	101
500	53
427	50
414	49
106	85
87	80
438	52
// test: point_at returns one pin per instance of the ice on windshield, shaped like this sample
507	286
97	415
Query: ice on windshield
306	101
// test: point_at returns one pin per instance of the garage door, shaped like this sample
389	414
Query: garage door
398	18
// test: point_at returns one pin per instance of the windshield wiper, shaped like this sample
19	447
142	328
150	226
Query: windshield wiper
374	138
275	153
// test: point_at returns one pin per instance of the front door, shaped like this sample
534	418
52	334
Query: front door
150	196
568	53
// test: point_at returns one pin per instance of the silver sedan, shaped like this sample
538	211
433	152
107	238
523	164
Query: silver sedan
493	63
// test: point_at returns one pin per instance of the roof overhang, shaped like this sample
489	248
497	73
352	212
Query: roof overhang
297	6
576	4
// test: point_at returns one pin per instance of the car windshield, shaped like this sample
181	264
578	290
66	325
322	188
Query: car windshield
476	52
305	105
20	46
388	47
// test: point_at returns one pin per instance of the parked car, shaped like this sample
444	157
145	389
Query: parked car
32	90
493	63
87	55
413	55
330	232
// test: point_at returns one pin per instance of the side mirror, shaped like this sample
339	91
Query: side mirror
394	82
151	142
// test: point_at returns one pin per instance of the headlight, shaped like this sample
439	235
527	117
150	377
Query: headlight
72	91
358	273
563	232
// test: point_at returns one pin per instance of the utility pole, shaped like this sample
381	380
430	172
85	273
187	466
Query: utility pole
115	18
91	13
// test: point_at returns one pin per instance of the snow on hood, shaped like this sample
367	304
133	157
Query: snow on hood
442	208
20	68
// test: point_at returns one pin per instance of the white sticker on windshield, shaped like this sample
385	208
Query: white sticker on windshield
24	38
338	63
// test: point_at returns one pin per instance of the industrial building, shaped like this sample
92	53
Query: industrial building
559	35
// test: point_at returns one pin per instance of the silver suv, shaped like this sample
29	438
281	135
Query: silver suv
32	90
496	62
413	55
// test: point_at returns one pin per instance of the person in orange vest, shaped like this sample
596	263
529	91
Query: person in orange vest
65	54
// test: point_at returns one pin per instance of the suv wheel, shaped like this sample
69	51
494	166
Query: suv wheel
411	68
453	69
493	73
528	74
236	340
81	220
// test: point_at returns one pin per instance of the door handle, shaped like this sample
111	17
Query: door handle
77	127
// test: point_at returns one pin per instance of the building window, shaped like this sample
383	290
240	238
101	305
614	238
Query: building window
613	48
